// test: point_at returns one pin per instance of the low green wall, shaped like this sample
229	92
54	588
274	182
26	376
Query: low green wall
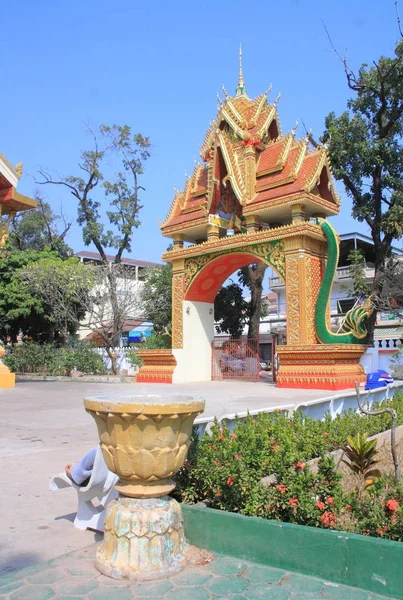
368	563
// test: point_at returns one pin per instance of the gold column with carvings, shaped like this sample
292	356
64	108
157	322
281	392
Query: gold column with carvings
304	257
178	280
213	232
252	223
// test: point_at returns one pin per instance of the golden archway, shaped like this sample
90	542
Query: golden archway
254	197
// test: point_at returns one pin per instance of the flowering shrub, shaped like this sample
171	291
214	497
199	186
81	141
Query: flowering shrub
224	470
380	512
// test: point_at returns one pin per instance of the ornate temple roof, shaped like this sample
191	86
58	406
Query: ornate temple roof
10	200
250	167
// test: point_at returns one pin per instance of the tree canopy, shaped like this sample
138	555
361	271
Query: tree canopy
39	229
156	298
230	310
366	150
23	306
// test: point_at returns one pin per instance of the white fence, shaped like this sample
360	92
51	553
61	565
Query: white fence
316	409
122	360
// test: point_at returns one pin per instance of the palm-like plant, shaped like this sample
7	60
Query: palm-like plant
361	454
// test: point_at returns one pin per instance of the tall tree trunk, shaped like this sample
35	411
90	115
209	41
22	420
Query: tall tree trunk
256	288
117	317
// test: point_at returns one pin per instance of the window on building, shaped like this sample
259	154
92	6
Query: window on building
345	305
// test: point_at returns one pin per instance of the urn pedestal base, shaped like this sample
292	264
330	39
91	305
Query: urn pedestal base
320	366
143	539
158	366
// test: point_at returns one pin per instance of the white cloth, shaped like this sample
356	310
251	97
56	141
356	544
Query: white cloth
83	469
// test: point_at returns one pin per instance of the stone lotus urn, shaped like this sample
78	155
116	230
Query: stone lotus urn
144	440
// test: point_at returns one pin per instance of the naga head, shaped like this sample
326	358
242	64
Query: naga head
354	321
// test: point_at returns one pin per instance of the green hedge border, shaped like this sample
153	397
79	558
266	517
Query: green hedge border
368	563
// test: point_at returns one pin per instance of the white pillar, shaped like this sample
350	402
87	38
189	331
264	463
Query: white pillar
194	359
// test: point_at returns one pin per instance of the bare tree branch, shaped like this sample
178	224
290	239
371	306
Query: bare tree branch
399	25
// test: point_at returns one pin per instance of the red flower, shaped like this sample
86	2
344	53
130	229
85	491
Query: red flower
233	436
230	481
218	493
220	437
349	507
236	457
267	508
325	434
330	500
300	465
186	464
392	505
328	519
276	447
320	505
281	488
293	502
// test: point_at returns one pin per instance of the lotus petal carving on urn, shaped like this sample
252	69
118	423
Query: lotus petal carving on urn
144	440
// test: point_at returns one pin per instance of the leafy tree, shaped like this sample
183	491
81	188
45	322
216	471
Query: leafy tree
230	309
64	289
22	309
366	150
156	299
356	259
39	229
110	227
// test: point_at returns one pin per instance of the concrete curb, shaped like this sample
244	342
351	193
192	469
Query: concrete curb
355	560
83	379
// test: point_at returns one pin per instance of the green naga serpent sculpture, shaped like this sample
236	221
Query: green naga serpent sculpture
354	319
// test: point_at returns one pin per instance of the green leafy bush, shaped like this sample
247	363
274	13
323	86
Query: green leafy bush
31	357
82	357
49	359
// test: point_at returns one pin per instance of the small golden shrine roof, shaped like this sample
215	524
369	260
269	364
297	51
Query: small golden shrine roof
252	168
10	200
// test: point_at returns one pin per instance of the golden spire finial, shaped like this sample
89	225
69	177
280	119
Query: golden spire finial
241	89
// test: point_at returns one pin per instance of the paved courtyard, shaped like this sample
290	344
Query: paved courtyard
224	578
43	426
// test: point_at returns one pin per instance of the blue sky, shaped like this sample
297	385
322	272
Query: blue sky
157	66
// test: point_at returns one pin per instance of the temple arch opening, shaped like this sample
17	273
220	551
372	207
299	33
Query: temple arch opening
194	358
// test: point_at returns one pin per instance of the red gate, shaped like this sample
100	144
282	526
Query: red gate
235	359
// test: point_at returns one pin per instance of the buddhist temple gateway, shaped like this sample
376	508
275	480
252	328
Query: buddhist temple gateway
256	196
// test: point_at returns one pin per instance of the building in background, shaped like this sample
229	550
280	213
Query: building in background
135	328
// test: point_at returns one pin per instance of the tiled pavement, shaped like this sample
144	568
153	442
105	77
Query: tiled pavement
74	576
